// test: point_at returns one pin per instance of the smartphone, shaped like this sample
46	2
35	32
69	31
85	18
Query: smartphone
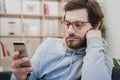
21	47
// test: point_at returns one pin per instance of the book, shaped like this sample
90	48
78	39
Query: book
6	53
52	8
12	6
4	6
4	50
1	50
46	9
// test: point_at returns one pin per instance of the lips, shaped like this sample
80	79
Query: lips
72	38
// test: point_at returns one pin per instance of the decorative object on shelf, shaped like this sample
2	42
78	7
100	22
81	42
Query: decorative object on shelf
25	28
11	32
34	30
31	8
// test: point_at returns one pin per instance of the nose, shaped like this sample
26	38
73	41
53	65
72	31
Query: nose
71	29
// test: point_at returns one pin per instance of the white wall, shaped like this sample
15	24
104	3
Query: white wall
112	20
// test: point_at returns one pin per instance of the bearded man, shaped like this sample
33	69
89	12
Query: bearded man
81	54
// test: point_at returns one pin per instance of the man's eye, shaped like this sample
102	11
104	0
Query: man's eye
77	24
67	24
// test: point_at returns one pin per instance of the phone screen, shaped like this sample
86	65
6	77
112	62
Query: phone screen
20	46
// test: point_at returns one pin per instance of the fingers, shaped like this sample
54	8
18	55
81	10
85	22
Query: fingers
16	63
24	70
15	55
93	33
89	30
21	73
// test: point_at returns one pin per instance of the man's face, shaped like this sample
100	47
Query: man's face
77	26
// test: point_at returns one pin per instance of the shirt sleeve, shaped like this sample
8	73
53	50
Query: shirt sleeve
97	63
37	61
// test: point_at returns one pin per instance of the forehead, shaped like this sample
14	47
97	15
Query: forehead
77	15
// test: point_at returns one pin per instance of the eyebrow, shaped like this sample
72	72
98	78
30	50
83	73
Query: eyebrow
77	20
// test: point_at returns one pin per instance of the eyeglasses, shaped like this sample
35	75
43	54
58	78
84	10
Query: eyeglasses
77	25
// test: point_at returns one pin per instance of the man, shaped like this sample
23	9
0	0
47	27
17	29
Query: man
82	53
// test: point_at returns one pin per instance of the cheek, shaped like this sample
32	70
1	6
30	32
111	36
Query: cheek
82	32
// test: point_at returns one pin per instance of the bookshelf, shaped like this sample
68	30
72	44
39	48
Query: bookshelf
27	21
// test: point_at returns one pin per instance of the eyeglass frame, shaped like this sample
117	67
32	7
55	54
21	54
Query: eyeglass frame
71	23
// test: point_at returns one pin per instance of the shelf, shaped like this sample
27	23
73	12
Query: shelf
55	36
40	16
66	0
19	36
32	16
10	36
32	36
53	0
6	15
53	17
41	36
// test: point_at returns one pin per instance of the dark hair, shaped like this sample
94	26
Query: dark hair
95	14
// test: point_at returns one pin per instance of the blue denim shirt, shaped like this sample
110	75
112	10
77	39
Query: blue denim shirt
54	61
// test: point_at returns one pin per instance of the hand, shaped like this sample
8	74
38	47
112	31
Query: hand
20	72
93	33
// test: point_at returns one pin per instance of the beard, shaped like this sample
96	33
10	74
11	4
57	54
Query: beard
74	42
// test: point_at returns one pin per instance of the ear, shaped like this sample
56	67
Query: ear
98	27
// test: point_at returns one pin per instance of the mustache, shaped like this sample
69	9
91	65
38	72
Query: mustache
72	35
